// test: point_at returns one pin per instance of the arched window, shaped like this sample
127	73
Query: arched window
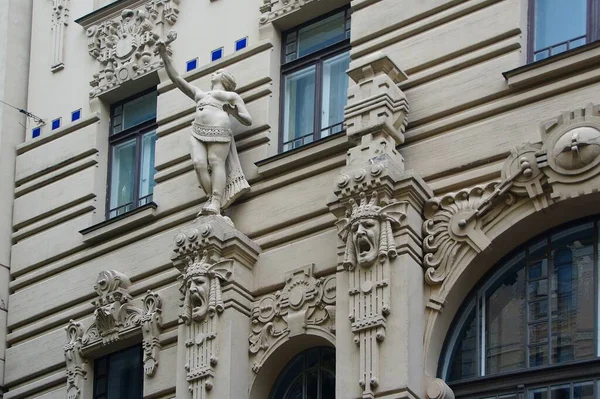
310	375
530	329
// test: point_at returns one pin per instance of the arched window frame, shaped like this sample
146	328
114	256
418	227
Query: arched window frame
527	379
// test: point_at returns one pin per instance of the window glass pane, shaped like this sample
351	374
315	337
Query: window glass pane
505	324
583	390
294	391
556	22
122	178
464	359
147	170
572	293
125	374
321	34
299	108
541	393
335	85
140	110
560	392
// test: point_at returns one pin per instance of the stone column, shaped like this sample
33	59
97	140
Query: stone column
215	261
380	282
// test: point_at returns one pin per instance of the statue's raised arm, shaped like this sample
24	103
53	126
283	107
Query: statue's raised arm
212	147
188	89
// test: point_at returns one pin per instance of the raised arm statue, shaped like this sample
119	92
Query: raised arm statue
212	147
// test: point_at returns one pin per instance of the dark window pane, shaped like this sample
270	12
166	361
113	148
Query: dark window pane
583	390
312	384
140	110
310	375
299	106
505	321
560	392
541	393
321	34
464	359
125	374
558	21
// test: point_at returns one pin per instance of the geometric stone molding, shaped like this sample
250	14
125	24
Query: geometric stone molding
125	46
115	318
368	232
375	102
305	303
60	20
566	164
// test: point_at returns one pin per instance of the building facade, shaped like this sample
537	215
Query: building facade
420	218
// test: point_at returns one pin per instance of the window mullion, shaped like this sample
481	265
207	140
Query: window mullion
318	100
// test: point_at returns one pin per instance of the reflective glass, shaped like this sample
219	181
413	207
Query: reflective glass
583	390
299	108
321	34
506	327
464	359
140	110
119	375
557	22
560	392
335	85
147	169
122	178
541	393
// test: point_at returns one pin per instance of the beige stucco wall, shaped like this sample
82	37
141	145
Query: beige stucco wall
464	120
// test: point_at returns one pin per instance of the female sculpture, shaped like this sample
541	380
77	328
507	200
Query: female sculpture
212	147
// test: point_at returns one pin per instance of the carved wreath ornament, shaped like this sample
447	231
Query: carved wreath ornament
115	317
565	164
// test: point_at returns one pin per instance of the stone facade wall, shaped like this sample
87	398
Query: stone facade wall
451	124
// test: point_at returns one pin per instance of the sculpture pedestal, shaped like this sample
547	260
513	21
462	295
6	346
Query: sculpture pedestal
215	261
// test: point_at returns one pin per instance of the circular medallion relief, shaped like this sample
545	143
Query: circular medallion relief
577	148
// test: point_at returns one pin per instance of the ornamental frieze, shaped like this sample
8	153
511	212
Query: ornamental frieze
273	9
115	318
564	165
305	303
125	46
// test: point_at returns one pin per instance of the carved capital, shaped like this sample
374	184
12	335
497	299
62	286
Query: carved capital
124	46
304	303
438	389
375	102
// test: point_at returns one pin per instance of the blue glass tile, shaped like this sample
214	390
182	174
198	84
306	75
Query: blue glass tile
75	115
191	64
55	123
241	44
35	132
216	54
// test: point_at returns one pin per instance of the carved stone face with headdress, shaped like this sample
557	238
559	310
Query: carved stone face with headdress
367	231
201	287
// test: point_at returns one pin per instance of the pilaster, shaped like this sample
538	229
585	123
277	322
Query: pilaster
215	261
380	277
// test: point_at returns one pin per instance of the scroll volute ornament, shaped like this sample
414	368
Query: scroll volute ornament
112	303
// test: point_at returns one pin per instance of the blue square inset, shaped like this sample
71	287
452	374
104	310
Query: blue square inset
241	44
216	54
55	123
76	115
191	64
35	132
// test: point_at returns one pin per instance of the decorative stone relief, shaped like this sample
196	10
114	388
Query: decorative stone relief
274	9
564	165
304	303
125	47
60	20
368	231
202	303
438	389
115	317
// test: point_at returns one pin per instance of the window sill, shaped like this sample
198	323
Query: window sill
554	67
119	224
298	157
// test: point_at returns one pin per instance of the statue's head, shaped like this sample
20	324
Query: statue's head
367	230
225	78
202	287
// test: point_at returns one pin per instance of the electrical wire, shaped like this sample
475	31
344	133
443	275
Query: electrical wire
28	114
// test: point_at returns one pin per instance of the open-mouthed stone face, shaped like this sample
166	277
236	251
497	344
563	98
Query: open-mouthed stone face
198	290
365	236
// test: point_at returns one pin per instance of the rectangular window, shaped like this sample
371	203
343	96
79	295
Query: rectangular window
119	375
132	146
314	81
559	25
